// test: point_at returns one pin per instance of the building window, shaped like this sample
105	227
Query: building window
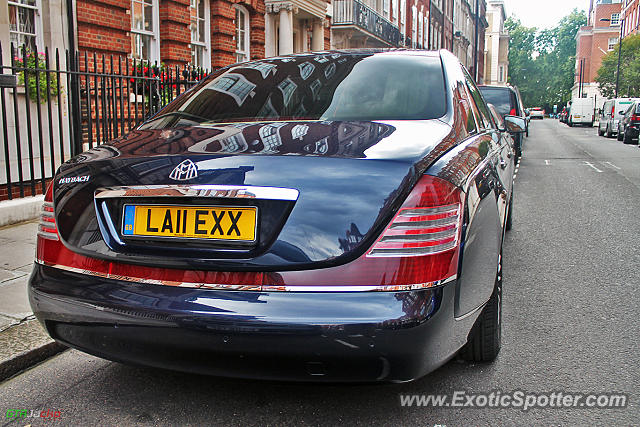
613	41
199	36
420	29
501	74
23	23
144	30
414	26
385	8
615	19
242	34
235	85
403	17
394	12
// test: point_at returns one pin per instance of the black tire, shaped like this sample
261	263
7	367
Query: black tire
484	340
570	122
600	132
620	135
509	223
609	132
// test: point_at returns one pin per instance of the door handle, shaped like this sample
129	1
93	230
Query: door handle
509	155
503	164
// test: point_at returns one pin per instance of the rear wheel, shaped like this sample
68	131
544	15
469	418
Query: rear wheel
570	122
484	340
609	131
620	135
600	132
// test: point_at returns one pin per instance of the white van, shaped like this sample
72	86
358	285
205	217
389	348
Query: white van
611	115
581	112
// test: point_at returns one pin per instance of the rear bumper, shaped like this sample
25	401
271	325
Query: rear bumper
303	336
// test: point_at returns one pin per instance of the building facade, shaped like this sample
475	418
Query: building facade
594	41
631	17
497	45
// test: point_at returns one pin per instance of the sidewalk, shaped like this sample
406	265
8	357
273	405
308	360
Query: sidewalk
23	342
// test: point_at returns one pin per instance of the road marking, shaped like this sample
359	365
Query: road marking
591	165
612	165
547	162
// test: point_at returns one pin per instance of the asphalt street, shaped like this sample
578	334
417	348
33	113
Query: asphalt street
570	323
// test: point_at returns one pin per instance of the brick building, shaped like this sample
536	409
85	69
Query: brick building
631	17
595	40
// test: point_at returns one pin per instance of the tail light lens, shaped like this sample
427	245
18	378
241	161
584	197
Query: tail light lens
635	118
47	227
512	112
613	111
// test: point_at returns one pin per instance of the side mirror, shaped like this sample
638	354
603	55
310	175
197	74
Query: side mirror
514	124
621	113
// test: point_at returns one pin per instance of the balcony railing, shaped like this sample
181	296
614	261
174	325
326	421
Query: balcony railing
354	12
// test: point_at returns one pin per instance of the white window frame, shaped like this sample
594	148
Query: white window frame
385	8
612	42
403	17
37	24
242	55
206	57
420	28
425	32
154	55
414	26
615	19
394	12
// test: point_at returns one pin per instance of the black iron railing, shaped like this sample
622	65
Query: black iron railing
354	12
56	106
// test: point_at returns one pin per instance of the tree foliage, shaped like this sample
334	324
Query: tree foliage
629	70
542	63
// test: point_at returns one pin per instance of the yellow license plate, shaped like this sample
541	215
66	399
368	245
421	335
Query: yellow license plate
191	222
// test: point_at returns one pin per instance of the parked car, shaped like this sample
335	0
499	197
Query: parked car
581	112
629	124
610	116
537	113
507	101
334	217
563	115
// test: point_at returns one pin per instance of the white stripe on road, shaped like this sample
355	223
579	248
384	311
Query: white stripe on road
547	162
612	165
591	165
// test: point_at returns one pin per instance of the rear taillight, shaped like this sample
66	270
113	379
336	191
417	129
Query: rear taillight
613	111
512	112
635	118
47	227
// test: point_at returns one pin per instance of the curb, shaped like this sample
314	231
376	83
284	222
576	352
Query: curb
19	210
23	346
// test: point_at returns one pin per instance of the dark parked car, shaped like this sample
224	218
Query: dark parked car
629	124
507	101
333	217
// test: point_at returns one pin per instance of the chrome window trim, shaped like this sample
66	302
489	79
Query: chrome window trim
256	288
211	191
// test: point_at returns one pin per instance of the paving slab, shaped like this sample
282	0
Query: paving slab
25	232
10	274
6	322
17	254
13	298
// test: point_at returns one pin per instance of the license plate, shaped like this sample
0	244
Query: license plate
190	222
576	116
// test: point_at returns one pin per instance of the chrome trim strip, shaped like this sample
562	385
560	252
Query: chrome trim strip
471	313
223	191
256	288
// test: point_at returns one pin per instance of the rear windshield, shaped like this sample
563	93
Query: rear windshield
314	87
637	108
501	98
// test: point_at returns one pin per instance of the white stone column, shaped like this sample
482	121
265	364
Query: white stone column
285	45
269	34
317	36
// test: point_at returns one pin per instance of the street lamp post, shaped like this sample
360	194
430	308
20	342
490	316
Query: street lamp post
619	51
